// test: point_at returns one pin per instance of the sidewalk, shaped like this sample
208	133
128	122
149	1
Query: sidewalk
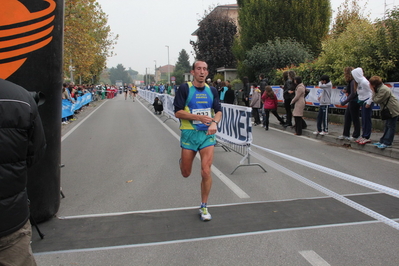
335	130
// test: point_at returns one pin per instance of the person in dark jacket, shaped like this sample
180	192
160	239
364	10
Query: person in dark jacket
263	82
288	94
352	112
230	96
158	106
245	91
22	143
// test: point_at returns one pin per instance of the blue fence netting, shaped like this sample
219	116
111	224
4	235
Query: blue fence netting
69	108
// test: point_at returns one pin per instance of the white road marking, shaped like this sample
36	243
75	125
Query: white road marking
313	258
372	155
292	134
95	215
81	122
203	238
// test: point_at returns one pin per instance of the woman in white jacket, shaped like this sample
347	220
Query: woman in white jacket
365	96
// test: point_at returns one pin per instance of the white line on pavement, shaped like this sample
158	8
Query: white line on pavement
204	238
75	127
108	214
313	258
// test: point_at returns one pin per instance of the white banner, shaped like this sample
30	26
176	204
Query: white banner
337	96
235	126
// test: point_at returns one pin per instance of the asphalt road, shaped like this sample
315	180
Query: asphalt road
127	204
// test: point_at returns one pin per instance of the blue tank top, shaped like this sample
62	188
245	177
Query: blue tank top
198	102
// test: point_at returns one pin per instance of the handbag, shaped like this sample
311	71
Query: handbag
385	113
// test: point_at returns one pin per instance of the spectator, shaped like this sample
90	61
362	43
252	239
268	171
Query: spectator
263	83
229	96
158	106
270	105
218	86
22	145
365	95
65	96
169	88
161	89
384	97
256	104
352	112
299	101
245	91
325	101
288	94
223	91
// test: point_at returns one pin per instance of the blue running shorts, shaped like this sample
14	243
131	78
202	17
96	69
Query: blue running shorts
196	140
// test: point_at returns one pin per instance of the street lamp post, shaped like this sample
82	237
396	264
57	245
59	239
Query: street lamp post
155	71
168	65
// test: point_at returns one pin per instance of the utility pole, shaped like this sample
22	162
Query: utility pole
168	66
155	71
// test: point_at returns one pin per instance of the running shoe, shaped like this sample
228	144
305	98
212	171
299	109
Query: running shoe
316	133
360	139
383	146
364	141
204	214
377	144
342	137
323	133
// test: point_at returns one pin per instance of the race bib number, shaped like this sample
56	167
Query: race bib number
206	111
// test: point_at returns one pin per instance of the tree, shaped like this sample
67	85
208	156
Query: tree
182	66
119	73
88	40
266	57
388	36
183	61
306	21
215	40
348	12
358	46
132	73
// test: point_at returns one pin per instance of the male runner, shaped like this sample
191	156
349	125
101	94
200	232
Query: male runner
198	108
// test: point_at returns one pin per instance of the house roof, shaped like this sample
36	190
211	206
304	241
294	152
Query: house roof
216	9
165	69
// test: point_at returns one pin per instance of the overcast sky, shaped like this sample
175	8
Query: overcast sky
145	28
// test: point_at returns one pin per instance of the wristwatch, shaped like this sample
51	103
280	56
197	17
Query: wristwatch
217	122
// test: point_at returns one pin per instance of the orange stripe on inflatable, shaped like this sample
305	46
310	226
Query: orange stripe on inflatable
7	69
26	39
44	12
34	26
25	50
23	17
